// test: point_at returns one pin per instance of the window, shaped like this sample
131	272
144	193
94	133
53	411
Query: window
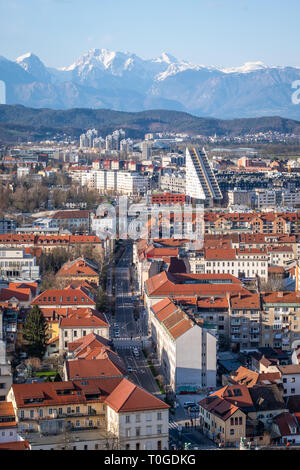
137	418
127	419
293	379
149	430
127	432
77	409
284	380
148	417
159	417
232	432
137	431
159	429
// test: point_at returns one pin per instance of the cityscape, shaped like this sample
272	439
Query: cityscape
149	258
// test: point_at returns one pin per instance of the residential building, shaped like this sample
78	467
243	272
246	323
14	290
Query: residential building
201	182
186	351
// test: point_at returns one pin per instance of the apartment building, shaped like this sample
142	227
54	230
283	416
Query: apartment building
80	322
138	419
221	419
241	263
72	220
290	376
80	269
187	351
201	182
280	319
16	264
90	414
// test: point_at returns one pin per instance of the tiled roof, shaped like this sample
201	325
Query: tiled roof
17	445
218	406
172	317
280	297
289	369
62	297
83	317
236	394
245	301
111	366
169	284
128	397
71	214
50	393
78	267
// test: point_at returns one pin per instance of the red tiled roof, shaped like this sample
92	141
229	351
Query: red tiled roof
280	297
17	445
109	367
128	397
172	317
63	297
83	317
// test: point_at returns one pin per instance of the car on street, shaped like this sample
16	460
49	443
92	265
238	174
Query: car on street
189	404
117	334
129	368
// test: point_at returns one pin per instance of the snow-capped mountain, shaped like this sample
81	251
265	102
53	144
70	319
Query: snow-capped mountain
124	81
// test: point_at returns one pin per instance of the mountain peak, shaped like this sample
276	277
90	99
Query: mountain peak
166	58
246	68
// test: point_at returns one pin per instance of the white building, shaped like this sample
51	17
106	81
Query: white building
16	264
201	182
187	352
290	376
5	370
139	420
241	263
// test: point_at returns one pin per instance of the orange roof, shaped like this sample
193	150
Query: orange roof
216	405
63	297
245	301
18	445
175	320
78	267
83	317
238	394
128	397
169	284
111	366
280	297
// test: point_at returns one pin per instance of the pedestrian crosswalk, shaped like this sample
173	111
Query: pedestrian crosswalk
173	424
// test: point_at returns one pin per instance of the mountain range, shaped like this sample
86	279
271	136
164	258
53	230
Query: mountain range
125	82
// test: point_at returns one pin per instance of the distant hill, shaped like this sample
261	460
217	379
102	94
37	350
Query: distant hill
21	123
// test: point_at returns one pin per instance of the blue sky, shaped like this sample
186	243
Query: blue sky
208	32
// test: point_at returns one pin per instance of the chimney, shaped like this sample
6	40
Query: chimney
280	294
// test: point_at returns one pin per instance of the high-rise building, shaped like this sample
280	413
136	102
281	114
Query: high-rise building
201	182
146	150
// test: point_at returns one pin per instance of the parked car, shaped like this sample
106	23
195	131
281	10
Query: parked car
129	368
189	404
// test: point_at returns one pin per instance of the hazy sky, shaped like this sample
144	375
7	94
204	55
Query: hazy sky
208	32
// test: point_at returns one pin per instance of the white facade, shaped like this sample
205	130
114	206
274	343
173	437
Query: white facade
15	264
144	430
189	359
5	370
201	183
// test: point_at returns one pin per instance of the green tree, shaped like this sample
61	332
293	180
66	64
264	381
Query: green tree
35	332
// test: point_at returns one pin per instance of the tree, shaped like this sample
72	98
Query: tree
35	333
